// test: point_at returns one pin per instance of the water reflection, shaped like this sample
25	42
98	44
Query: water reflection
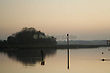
82	61
29	57
105	59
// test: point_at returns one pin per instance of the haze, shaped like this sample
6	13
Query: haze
86	19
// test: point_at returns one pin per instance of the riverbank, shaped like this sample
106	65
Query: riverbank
52	46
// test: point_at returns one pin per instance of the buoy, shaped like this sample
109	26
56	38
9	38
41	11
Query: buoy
103	59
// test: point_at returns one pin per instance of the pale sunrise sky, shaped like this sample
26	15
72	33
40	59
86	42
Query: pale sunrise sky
86	19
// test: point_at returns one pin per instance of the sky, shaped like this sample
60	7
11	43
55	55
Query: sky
82	19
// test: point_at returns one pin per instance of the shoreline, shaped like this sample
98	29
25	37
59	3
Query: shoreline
51	46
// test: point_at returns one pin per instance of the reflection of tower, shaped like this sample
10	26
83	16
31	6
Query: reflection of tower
42	55
68	49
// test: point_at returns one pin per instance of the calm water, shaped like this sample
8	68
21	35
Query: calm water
55	61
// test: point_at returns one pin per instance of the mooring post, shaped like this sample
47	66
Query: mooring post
42	56
68	49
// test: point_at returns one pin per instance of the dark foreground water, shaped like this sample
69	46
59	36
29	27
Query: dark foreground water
55	61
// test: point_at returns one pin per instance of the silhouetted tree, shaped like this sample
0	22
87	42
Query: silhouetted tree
30	36
11	39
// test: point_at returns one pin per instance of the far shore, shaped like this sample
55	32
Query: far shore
51	46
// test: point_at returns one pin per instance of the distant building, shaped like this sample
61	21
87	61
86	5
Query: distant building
108	42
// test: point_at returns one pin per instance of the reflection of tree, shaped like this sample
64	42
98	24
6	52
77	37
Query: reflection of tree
31	57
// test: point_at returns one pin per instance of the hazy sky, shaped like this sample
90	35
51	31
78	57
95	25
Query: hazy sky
86	19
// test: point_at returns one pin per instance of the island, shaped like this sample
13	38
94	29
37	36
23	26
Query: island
28	38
